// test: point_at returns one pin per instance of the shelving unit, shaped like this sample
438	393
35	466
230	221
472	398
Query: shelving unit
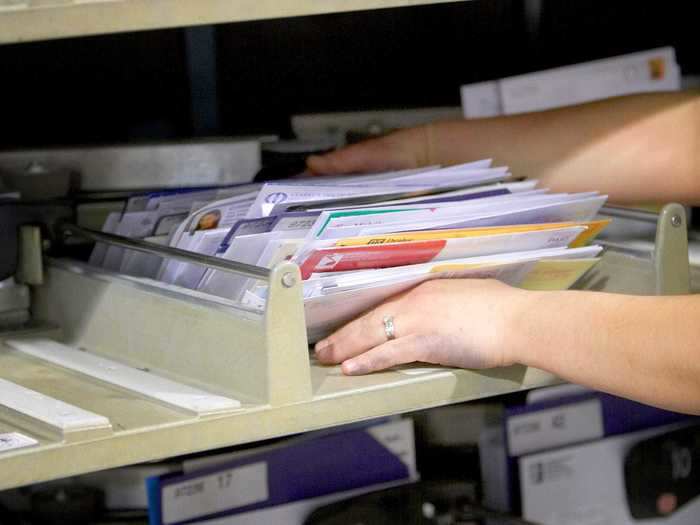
256	366
29	20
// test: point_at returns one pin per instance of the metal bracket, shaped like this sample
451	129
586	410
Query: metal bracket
30	265
671	265
289	376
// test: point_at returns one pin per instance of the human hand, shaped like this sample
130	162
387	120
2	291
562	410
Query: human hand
404	149
453	322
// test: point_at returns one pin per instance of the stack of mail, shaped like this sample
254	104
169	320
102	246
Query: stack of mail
360	239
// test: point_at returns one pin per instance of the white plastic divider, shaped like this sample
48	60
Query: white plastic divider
146	384
49	414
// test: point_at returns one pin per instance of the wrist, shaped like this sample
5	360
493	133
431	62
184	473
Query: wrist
413	144
519	339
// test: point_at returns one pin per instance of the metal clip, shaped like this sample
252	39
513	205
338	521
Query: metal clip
216	263
671	264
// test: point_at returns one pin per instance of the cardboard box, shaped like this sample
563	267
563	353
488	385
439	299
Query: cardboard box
585	485
576	417
283	484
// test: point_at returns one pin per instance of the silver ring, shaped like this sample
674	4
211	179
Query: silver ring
389	329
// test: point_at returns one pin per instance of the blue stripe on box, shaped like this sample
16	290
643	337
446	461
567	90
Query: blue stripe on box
306	469
154	502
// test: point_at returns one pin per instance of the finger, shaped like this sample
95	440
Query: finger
365	332
370	156
356	337
392	353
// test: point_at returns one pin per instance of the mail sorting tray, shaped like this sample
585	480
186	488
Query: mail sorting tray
121	370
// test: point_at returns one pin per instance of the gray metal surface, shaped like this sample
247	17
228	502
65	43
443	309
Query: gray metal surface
13	296
216	162
629	213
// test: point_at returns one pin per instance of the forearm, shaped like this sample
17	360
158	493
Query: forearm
644	348
637	148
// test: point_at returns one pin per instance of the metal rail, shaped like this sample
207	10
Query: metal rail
248	270
628	213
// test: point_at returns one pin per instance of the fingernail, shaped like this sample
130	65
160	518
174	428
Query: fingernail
321	346
351	368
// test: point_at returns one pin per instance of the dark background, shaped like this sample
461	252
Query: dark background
138	86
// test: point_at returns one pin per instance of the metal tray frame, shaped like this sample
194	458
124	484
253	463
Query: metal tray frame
262	360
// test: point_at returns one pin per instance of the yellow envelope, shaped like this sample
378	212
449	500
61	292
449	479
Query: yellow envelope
552	274
593	228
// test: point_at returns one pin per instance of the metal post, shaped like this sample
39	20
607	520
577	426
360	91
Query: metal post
671	264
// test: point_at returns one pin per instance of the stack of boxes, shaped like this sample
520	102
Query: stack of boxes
575	458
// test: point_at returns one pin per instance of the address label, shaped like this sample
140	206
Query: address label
14	440
212	493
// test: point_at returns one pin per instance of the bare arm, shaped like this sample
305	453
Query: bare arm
637	148
644	348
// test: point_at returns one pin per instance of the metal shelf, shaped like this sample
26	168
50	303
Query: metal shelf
29	20
256	368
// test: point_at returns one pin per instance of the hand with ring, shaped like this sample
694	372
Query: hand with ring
453	322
